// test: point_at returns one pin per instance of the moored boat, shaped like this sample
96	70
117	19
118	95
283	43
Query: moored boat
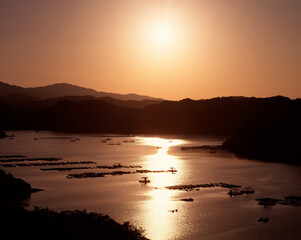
144	180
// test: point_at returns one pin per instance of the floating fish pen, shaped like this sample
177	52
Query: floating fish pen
29	159
294	201
38	164
95	175
206	185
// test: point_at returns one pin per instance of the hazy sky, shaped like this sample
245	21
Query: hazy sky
170	49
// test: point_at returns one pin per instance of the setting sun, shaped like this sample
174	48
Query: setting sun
162	34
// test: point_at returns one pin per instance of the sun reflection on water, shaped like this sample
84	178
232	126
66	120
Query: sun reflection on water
162	161
159	209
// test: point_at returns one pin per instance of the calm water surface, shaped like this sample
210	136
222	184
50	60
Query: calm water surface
212	214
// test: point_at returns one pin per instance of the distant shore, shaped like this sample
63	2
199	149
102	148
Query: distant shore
260	128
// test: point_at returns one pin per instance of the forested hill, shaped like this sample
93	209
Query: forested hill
222	116
274	135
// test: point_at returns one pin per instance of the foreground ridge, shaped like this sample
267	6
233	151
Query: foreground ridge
43	223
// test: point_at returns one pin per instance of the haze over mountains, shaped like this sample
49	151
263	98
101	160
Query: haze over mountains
65	89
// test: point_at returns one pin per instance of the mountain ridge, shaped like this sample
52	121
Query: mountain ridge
67	89
28	102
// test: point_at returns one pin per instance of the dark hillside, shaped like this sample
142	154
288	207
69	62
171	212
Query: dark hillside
219	116
33	103
274	137
86	116
266	128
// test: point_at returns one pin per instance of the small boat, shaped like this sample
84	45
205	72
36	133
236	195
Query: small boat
247	190
117	165
234	192
144	180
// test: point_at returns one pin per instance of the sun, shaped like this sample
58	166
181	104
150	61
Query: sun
162	34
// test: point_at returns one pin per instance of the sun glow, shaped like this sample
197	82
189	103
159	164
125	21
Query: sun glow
162	34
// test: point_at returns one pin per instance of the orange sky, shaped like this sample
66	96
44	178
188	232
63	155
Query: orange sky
215	47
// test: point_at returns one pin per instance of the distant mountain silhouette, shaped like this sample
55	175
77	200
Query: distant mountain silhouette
6	89
33	103
65	89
